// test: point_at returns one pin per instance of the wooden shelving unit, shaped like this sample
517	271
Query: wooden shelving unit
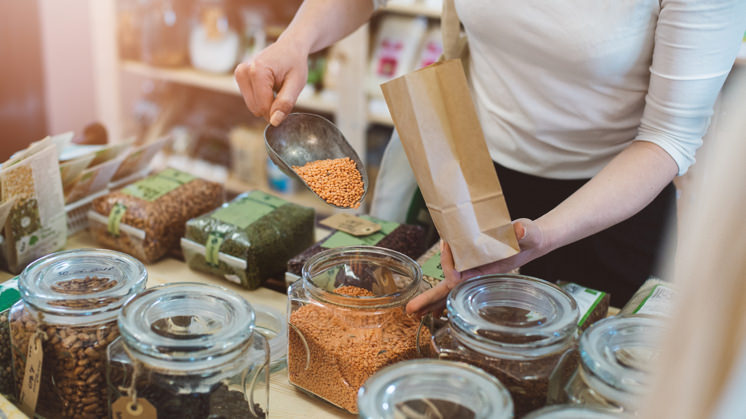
412	9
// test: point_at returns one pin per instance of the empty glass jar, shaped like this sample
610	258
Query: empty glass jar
347	320
520	329
165	32
191	351
616	356
69	305
433	389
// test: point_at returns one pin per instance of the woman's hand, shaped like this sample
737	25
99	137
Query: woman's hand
281	67
533	243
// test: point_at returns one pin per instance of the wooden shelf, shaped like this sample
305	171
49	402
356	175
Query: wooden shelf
415	9
215	82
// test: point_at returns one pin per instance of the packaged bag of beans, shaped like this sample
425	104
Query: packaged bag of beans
147	218
248	239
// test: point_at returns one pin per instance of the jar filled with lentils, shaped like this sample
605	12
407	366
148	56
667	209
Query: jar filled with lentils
68	311
347	320
189	351
617	355
520	329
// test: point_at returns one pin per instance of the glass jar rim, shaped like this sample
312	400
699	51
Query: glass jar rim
192	349
454	381
466	305
329	258
37	286
602	345
571	411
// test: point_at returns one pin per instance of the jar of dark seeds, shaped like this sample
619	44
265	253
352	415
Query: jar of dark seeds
190	351
520	329
434	389
618	354
70	301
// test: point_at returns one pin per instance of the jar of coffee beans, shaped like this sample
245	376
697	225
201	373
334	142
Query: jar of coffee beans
618	355
348	320
431	388
67	316
189	351
520	329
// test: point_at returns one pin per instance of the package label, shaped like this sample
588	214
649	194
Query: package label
244	212
433	268
154	187
9	294
340	238
658	303
115	218
586	298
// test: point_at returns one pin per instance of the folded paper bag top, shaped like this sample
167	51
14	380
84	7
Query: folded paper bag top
436	119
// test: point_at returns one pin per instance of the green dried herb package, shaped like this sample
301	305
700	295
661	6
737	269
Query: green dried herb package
248	239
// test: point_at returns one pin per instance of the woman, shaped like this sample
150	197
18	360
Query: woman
590	108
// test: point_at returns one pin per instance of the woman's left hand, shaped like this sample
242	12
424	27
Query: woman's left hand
531	240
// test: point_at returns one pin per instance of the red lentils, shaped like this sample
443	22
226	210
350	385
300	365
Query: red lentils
336	181
346	346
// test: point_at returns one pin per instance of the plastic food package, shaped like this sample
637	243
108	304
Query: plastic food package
404	238
248	239
655	297
35	225
593	304
147	218
432	272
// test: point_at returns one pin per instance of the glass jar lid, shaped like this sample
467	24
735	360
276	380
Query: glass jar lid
388	278
433	388
92	284
572	412
511	311
186	326
619	352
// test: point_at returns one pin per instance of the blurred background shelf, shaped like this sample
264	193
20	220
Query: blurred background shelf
412	9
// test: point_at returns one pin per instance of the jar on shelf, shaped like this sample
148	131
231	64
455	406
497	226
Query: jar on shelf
129	29
189	350
347	320
68	316
214	44
434	389
520	329
165	33
573	412
615	360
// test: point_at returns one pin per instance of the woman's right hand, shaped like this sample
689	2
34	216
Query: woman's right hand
281	67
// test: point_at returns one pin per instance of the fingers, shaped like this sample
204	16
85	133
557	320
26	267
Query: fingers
283	104
256	81
429	298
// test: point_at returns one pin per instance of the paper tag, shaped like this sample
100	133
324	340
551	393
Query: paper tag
115	218
433	268
351	225
245	211
340	238
123	408
658	302
586	298
32	376
212	248
154	187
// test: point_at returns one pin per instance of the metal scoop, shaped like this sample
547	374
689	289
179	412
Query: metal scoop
305	137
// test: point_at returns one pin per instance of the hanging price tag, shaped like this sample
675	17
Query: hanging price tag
124	408
350	224
32	375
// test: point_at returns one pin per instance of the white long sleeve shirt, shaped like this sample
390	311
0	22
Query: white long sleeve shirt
561	87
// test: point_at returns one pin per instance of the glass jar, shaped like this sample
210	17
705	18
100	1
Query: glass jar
69	303
434	389
214	44
190	351
520	329
615	356
347	320
572	412
165	33
129	36
9	295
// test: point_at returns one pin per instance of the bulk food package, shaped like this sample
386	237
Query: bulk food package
248	239
32	205
404	238
147	218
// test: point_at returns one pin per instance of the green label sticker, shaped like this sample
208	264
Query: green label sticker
212	248
432	267
245	211
9	294
340	238
156	186
115	218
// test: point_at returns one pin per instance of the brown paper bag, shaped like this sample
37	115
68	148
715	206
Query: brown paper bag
436	119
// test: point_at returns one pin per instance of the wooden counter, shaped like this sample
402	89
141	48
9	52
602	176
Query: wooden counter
285	401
